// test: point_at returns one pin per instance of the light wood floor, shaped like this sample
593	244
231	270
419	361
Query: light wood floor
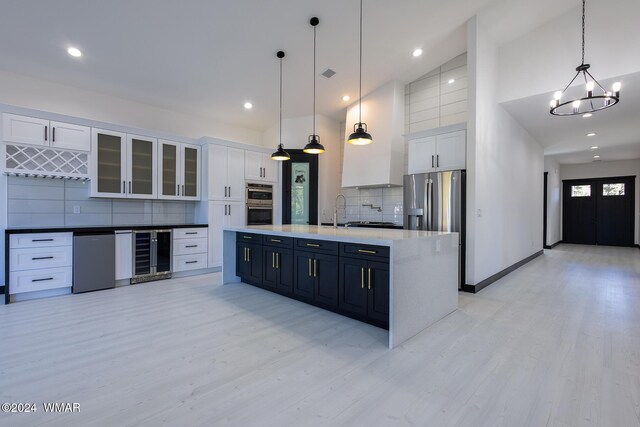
556	343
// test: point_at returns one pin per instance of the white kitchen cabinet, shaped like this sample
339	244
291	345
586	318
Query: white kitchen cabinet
123	166
190	249
124	253
222	214
36	131
226	173
437	153
259	167
178	171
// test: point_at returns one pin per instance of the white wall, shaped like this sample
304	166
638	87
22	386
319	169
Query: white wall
543	60
504	171
554	193
604	170
295	134
28	92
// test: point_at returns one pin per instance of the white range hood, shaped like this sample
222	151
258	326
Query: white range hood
380	163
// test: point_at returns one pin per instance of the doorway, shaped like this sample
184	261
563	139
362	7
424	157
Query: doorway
599	211
300	188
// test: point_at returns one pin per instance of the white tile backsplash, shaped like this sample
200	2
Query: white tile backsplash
39	202
388	198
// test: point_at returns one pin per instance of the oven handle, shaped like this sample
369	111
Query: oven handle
260	207
257	190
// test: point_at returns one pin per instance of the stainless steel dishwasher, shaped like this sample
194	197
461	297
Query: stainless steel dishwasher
94	261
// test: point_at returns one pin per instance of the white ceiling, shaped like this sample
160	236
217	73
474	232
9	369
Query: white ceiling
617	128
207	57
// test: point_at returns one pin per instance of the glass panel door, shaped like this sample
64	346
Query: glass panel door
163	251
142	256
190	171
299	193
109	162
141	178
169	184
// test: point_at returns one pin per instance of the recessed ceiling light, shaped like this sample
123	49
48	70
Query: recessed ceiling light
591	134
595	147
417	52
248	106
451	81
587	115
75	52
345	98
596	157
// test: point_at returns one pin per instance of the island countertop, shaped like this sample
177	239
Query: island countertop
372	236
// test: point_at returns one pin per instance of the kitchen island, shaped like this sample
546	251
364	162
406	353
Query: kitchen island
403	280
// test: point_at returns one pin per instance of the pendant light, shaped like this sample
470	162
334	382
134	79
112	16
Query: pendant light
280	154
314	146
592	102
360	136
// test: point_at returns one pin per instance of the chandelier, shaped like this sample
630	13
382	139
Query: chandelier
597	97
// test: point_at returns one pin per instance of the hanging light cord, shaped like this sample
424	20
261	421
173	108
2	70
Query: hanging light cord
360	102
583	19
314	82
280	102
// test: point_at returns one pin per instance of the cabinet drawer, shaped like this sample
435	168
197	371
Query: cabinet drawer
249	238
190	233
35	258
40	240
317	246
190	246
40	280
278	241
189	262
355	250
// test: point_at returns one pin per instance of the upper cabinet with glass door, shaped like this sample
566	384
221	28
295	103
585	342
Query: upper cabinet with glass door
123	166
178	171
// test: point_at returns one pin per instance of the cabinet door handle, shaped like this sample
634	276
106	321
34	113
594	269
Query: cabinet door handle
183	189
362	276
315	268
124	187
310	275
53	134
277	260
129	187
229	209
191	262
313	245
42	240
38	258
191	246
46	131
273	260
369	281
229	191
191	232
438	161
41	280
248	254
276	240
365	251
432	165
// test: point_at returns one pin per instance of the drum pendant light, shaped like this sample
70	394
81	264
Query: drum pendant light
314	146
360	136
280	154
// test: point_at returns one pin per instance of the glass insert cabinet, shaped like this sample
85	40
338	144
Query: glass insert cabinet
140	167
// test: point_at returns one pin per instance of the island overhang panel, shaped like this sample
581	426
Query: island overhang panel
423	269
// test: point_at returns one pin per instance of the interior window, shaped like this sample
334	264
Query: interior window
613	189
580	190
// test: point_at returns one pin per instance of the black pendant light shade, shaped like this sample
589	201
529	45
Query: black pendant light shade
313	146
360	136
595	97
280	154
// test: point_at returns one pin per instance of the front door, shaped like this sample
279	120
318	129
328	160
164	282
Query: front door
599	211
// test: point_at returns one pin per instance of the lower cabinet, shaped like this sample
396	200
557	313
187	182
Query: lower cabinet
318	273
249	262
316	277
364	290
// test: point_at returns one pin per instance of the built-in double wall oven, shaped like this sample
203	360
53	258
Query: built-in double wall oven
259	204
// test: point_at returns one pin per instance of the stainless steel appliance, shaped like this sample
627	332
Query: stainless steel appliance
259	204
436	202
94	262
152	255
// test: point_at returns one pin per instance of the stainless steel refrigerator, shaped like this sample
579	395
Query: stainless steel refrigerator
436	202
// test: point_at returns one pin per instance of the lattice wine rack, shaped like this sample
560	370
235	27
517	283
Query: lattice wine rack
44	162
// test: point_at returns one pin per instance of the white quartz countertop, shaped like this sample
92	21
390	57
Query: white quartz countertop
372	236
